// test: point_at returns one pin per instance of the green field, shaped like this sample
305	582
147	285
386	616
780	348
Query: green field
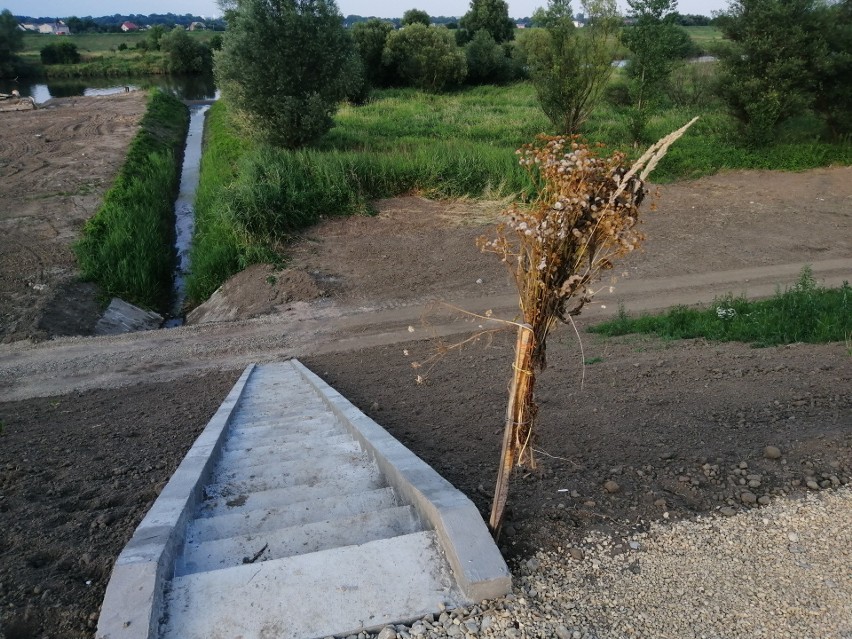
88	43
704	36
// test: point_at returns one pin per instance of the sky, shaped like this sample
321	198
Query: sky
381	8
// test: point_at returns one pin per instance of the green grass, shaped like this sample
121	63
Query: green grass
704	37
100	55
804	313
127	247
219	247
97	42
456	144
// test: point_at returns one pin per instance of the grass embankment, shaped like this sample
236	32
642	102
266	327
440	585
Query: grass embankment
100	55
456	144
804	313
127	247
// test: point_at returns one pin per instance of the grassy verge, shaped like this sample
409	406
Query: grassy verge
803	313
122	63
127	246
449	145
219	247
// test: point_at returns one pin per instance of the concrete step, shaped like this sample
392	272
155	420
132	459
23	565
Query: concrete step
347	482
281	437
285	432
304	472
284	451
297	540
303	512
305	421
334	592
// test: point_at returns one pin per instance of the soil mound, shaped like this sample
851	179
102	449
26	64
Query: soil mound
259	290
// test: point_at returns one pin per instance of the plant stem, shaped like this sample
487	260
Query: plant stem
518	422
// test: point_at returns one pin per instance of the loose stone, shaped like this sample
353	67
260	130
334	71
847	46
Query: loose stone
772	452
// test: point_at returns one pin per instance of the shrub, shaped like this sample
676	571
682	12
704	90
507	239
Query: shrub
487	62
425	57
285	66
185	54
491	16
370	38
60	53
570	67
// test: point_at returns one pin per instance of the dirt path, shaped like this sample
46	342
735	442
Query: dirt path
55	164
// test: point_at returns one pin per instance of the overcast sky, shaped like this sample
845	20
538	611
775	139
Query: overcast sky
381	8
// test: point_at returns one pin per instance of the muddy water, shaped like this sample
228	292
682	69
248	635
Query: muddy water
185	210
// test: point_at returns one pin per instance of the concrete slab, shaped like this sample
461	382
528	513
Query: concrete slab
278	452
305	512
297	540
122	317
133	601
241	503
475	559
374	584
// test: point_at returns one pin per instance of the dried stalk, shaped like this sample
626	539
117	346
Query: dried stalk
585	215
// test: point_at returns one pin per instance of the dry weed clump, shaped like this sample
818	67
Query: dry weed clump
584	216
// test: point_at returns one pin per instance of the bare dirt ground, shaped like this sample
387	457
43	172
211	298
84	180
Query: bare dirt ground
55	164
92	427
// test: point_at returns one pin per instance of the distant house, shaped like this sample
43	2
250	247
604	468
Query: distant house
128	26
197	26
56	28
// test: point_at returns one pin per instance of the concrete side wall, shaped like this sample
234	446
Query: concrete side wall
134	597
475	559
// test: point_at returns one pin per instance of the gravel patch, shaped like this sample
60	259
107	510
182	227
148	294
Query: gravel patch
781	571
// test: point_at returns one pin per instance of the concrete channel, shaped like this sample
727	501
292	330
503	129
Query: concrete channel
296	516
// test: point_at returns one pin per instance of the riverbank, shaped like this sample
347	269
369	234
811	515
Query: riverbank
127	248
56	163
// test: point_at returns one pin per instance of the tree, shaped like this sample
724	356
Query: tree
285	65
570	67
491	16
425	57
415	16
771	72
185	54
834	74
155	33
370	38
11	41
60	53
486	60
656	44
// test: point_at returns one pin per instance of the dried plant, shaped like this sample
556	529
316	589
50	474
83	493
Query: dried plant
584	216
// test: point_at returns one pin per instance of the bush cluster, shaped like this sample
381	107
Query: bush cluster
60	53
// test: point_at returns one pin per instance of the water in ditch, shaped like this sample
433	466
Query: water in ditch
185	211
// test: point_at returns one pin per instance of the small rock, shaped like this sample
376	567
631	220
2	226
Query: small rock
611	486
793	536
454	631
763	500
727	511
562	632
634	545
812	484
748	497
772	452
388	632
576	553
660	503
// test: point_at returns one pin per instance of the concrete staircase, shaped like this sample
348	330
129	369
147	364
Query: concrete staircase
306	520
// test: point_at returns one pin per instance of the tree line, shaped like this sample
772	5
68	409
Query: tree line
112	24
285	65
